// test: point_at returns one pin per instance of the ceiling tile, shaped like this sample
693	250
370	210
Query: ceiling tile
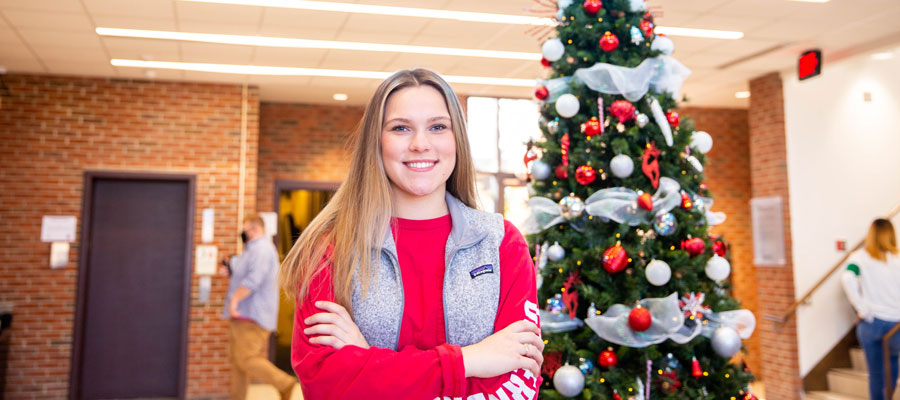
48	20
720	22
297	32
142	8
696	6
43	5
741	47
279	57
20	64
300	19
72	54
118	21
137	48
385	23
39	37
215	53
70	67
356	60
495	68
384	37
224	28
439	64
222	13
666	17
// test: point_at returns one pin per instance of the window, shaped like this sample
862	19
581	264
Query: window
499	130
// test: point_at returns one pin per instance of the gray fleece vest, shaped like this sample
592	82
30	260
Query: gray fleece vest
471	294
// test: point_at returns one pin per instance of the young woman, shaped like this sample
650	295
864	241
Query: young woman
404	289
872	283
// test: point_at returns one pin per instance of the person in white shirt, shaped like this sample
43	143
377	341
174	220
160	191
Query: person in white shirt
872	284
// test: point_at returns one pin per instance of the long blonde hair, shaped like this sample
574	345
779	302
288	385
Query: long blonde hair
881	239
358	216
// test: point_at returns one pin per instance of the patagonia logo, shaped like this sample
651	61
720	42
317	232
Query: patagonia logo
484	269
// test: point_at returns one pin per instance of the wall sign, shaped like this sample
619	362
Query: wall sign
768	231
810	64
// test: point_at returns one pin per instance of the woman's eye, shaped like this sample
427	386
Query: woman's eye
439	127
400	128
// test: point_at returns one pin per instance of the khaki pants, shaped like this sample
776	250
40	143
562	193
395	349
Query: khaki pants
246	341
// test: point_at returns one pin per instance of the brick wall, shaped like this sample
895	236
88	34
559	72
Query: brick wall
54	128
768	161
304	143
728	178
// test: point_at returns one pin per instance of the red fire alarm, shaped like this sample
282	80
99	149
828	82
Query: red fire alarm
841	245
810	64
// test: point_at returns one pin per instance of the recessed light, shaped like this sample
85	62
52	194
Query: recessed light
885	55
742	94
451	15
339	97
312	44
292	71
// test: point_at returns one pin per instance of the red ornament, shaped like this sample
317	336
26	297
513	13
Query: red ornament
615	259
645	201
616	395
694	246
592	7
545	62
720	248
608	358
695	368
570	295
541	93
623	110
749	396
650	164
647	28
673	118
552	362
639	319
592	127
686	202
561	172
564	149
585	174
609	42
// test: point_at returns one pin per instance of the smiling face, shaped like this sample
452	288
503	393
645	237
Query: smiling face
418	147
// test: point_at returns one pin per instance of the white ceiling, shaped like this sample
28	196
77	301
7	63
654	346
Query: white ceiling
57	36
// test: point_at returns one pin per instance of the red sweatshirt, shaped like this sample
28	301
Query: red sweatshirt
425	366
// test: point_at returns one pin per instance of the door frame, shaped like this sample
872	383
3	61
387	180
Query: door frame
282	185
84	254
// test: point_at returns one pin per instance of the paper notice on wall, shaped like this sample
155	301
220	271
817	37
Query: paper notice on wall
206	259
207	225
204	286
59	254
58	228
768	231
270	220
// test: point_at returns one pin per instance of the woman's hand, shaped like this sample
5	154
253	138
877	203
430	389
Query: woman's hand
334	328
517	346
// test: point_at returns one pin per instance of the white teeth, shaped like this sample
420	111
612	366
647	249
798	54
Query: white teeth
420	164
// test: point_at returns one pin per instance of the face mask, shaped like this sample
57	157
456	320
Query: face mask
244	237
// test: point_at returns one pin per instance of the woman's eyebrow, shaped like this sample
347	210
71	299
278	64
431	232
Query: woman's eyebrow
405	120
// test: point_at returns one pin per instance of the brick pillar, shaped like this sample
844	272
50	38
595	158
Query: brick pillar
768	176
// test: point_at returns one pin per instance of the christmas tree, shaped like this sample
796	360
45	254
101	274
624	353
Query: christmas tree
634	291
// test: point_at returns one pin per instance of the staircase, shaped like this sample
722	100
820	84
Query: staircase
848	383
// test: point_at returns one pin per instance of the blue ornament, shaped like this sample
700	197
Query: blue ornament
636	36
585	365
665	224
555	305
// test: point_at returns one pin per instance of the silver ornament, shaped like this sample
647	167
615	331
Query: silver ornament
556	252
717	268
658	273
725	342
642	120
540	170
665	224
571	207
553	127
568	381
622	166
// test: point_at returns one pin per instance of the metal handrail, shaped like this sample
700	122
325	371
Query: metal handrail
793	308
886	352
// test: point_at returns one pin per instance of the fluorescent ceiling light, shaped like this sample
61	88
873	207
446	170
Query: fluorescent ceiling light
451	15
339	97
742	95
390	10
887	55
292	71
701	33
313	44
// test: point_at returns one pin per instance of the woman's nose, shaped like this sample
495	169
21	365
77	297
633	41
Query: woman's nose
419	141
